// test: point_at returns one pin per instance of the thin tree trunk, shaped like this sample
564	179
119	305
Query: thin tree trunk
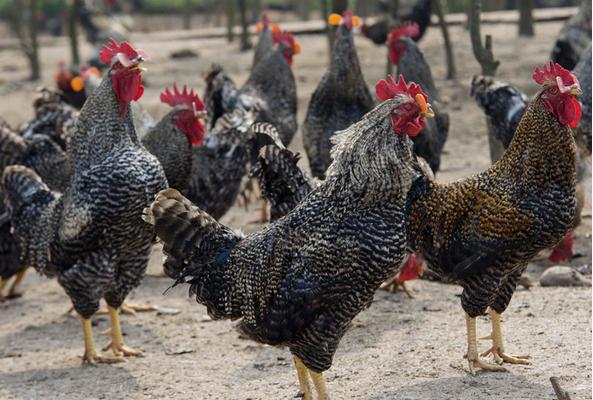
392	19
526	18
187	12
328	28
73	31
256	11
245	41
438	7
482	53
230	19
34	50
303	9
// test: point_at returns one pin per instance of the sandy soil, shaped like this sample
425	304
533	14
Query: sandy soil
405	349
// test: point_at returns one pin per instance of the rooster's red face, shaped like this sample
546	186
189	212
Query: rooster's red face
408	117
559	95
287	44
397	46
125	72
412	269
190	114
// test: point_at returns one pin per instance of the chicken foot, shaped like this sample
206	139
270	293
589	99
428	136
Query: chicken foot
90	351
303	374
472	355
117	340
394	284
497	349
12	292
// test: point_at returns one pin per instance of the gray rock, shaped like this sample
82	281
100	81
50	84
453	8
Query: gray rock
563	276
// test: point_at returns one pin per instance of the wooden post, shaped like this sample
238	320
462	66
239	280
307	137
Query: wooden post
438	7
73	31
392	19
34	56
229	7
245	41
187	12
482	53
526	18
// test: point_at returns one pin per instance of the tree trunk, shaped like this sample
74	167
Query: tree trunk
230	19
438	7
187	12
392	20
73	31
328	28
245	41
526	18
256	11
34	50
482	53
303	9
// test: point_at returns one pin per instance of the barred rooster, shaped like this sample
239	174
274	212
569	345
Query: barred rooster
265	41
574	37
92	237
300	281
271	84
419	14
173	138
480	232
341	98
410	62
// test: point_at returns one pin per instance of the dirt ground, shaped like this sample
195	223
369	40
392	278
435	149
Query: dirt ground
404	349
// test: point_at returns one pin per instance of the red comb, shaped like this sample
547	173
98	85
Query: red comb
188	98
388	89
553	72
282	36
408	28
265	20
111	50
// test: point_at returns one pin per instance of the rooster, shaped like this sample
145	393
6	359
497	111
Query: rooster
92	237
265	42
341	98
420	15
410	62
173	138
300	281
480	232
583	73
504	106
574	38
271	84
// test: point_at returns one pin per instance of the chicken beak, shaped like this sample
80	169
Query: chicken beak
576	91
425	109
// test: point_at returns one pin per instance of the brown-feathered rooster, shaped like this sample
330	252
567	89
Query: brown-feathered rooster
92	237
341	98
300	281
410	62
172	139
271	84
574	38
481	231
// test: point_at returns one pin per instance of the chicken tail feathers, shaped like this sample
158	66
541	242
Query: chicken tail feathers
193	241
20	185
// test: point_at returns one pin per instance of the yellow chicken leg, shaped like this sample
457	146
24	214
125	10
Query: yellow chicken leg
130	309
2	285
12	292
473	358
303	378
117	340
90	352
497	349
320	387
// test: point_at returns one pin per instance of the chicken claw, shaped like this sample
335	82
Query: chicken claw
117	340
473	358
497	349
90	352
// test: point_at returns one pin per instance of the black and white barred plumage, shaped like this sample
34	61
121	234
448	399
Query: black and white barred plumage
300	281
92	237
340	99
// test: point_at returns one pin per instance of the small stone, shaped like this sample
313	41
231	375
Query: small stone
563	276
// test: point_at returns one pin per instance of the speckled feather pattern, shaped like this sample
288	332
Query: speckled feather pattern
583	73
301	280
92	237
341	98
430	142
480	232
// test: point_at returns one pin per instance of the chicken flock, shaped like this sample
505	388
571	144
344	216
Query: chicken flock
91	183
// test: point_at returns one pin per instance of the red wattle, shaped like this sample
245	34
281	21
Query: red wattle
563	250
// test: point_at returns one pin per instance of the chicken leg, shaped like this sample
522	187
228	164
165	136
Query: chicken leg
320	387
12	292
303	378
472	355
394	284
497	349
90	352
117	340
